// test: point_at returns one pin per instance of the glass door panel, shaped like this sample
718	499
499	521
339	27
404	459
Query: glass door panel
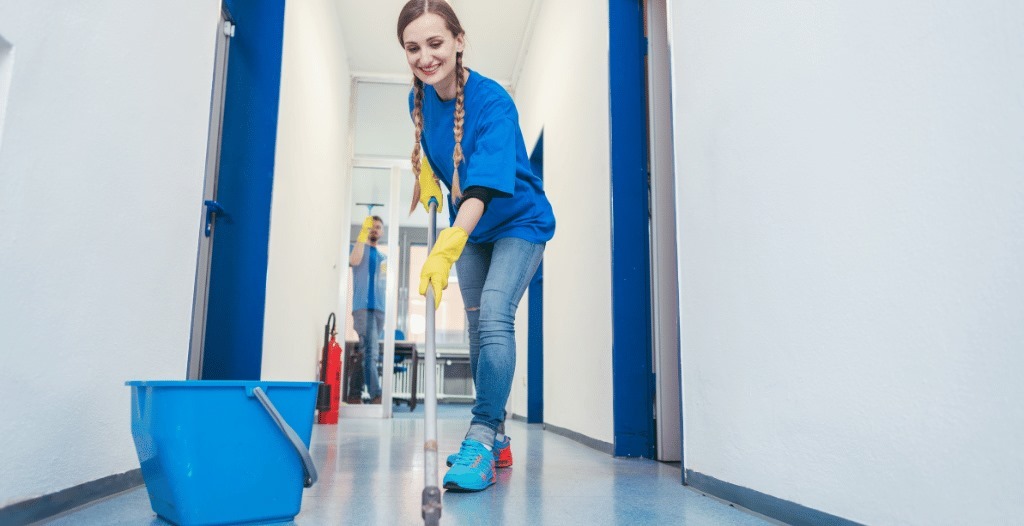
366	354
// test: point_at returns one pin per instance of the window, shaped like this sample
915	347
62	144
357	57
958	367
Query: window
450	320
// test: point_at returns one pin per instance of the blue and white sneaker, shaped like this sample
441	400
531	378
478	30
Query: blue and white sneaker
472	468
502	454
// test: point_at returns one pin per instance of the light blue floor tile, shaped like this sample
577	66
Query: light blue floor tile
371	472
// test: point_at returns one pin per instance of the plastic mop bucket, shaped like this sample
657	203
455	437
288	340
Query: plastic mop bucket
224	452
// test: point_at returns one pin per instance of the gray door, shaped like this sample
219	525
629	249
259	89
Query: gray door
664	281
208	202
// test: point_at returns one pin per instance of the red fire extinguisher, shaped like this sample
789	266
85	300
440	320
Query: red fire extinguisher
328	397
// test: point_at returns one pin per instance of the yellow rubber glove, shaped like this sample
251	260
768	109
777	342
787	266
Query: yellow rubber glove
426	187
438	265
364	234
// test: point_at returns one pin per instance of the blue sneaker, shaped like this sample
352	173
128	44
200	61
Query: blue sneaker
472	468
502	453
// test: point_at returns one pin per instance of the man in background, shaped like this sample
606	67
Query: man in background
368	269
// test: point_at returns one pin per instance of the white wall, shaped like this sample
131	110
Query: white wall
311	180
850	225
101	180
563	89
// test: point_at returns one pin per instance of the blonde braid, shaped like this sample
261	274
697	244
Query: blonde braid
417	119
460	114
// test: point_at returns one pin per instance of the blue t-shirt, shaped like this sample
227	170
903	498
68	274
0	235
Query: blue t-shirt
494	157
371	268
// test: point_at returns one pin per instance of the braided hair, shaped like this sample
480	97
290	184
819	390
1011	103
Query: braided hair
417	119
460	117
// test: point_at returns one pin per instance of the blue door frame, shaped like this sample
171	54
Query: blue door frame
535	337
632	377
238	270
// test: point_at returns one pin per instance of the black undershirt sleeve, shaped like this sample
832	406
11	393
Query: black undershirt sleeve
482	193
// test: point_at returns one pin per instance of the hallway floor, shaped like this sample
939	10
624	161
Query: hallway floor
371	472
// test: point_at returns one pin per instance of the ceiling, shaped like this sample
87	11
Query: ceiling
496	35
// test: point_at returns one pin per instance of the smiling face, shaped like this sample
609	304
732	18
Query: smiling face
430	48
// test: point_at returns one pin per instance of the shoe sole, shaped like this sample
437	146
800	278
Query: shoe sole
451	486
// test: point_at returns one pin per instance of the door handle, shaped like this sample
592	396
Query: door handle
212	207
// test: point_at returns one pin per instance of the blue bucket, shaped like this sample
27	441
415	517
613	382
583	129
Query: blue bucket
224	452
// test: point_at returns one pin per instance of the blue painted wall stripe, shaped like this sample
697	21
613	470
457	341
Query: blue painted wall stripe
238	273
632	385
767	505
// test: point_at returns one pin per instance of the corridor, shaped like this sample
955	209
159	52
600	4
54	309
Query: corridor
371	472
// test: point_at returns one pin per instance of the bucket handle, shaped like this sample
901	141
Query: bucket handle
300	448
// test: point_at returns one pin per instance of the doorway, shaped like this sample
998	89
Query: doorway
535	337
382	139
645	363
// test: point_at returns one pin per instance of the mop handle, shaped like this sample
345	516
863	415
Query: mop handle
431	499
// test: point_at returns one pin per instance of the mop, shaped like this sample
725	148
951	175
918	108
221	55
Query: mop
431	493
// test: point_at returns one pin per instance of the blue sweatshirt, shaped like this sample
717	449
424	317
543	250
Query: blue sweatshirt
494	157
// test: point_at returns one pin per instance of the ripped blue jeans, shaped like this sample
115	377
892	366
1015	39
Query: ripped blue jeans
493	278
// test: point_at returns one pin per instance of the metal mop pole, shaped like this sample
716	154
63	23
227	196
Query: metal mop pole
431	493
